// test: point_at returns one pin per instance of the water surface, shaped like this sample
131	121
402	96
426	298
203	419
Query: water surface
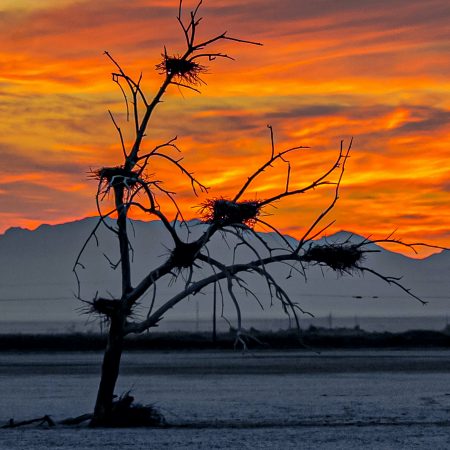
375	399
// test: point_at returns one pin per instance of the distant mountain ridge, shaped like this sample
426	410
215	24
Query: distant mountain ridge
37	282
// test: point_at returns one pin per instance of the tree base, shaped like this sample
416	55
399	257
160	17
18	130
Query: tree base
124	414
127	414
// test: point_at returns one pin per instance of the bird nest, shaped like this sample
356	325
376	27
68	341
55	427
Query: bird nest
185	71
223	212
105	306
184	254
339	257
115	176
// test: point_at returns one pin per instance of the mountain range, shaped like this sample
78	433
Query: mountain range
37	282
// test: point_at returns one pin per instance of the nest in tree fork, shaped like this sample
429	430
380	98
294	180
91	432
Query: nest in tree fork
115	176
106	307
183	70
225	212
339	257
184	254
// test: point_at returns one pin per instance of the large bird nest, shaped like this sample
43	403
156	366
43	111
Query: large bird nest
184	254
105	306
115	176
183	70
339	257
223	212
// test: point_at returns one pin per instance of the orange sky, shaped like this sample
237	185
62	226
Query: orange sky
328	70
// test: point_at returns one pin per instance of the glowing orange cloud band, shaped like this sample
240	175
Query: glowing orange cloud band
377	71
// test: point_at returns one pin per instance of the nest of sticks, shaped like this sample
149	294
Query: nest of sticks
105	306
115	176
339	257
184	254
223	212
183	70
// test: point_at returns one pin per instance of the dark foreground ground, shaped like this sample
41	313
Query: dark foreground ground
215	399
313	338
327	389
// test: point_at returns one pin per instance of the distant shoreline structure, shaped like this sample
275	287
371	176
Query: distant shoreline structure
202	325
312	339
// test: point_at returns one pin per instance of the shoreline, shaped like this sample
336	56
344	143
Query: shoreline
314	338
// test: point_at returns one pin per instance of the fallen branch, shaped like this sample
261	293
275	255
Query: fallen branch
41	421
124	414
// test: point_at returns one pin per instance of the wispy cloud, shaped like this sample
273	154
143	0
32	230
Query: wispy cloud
328	70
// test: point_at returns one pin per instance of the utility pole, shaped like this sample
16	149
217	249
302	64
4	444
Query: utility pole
197	317
214	332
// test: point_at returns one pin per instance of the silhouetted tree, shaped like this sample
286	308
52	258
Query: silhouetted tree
132	186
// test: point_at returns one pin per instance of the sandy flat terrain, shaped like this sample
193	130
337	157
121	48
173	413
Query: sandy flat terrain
352	399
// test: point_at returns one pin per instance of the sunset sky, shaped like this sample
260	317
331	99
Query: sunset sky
328	70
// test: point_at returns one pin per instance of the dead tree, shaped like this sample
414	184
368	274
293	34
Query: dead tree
132	187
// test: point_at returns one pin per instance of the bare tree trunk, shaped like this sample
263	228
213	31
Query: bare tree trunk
114	346
110	372
124	243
